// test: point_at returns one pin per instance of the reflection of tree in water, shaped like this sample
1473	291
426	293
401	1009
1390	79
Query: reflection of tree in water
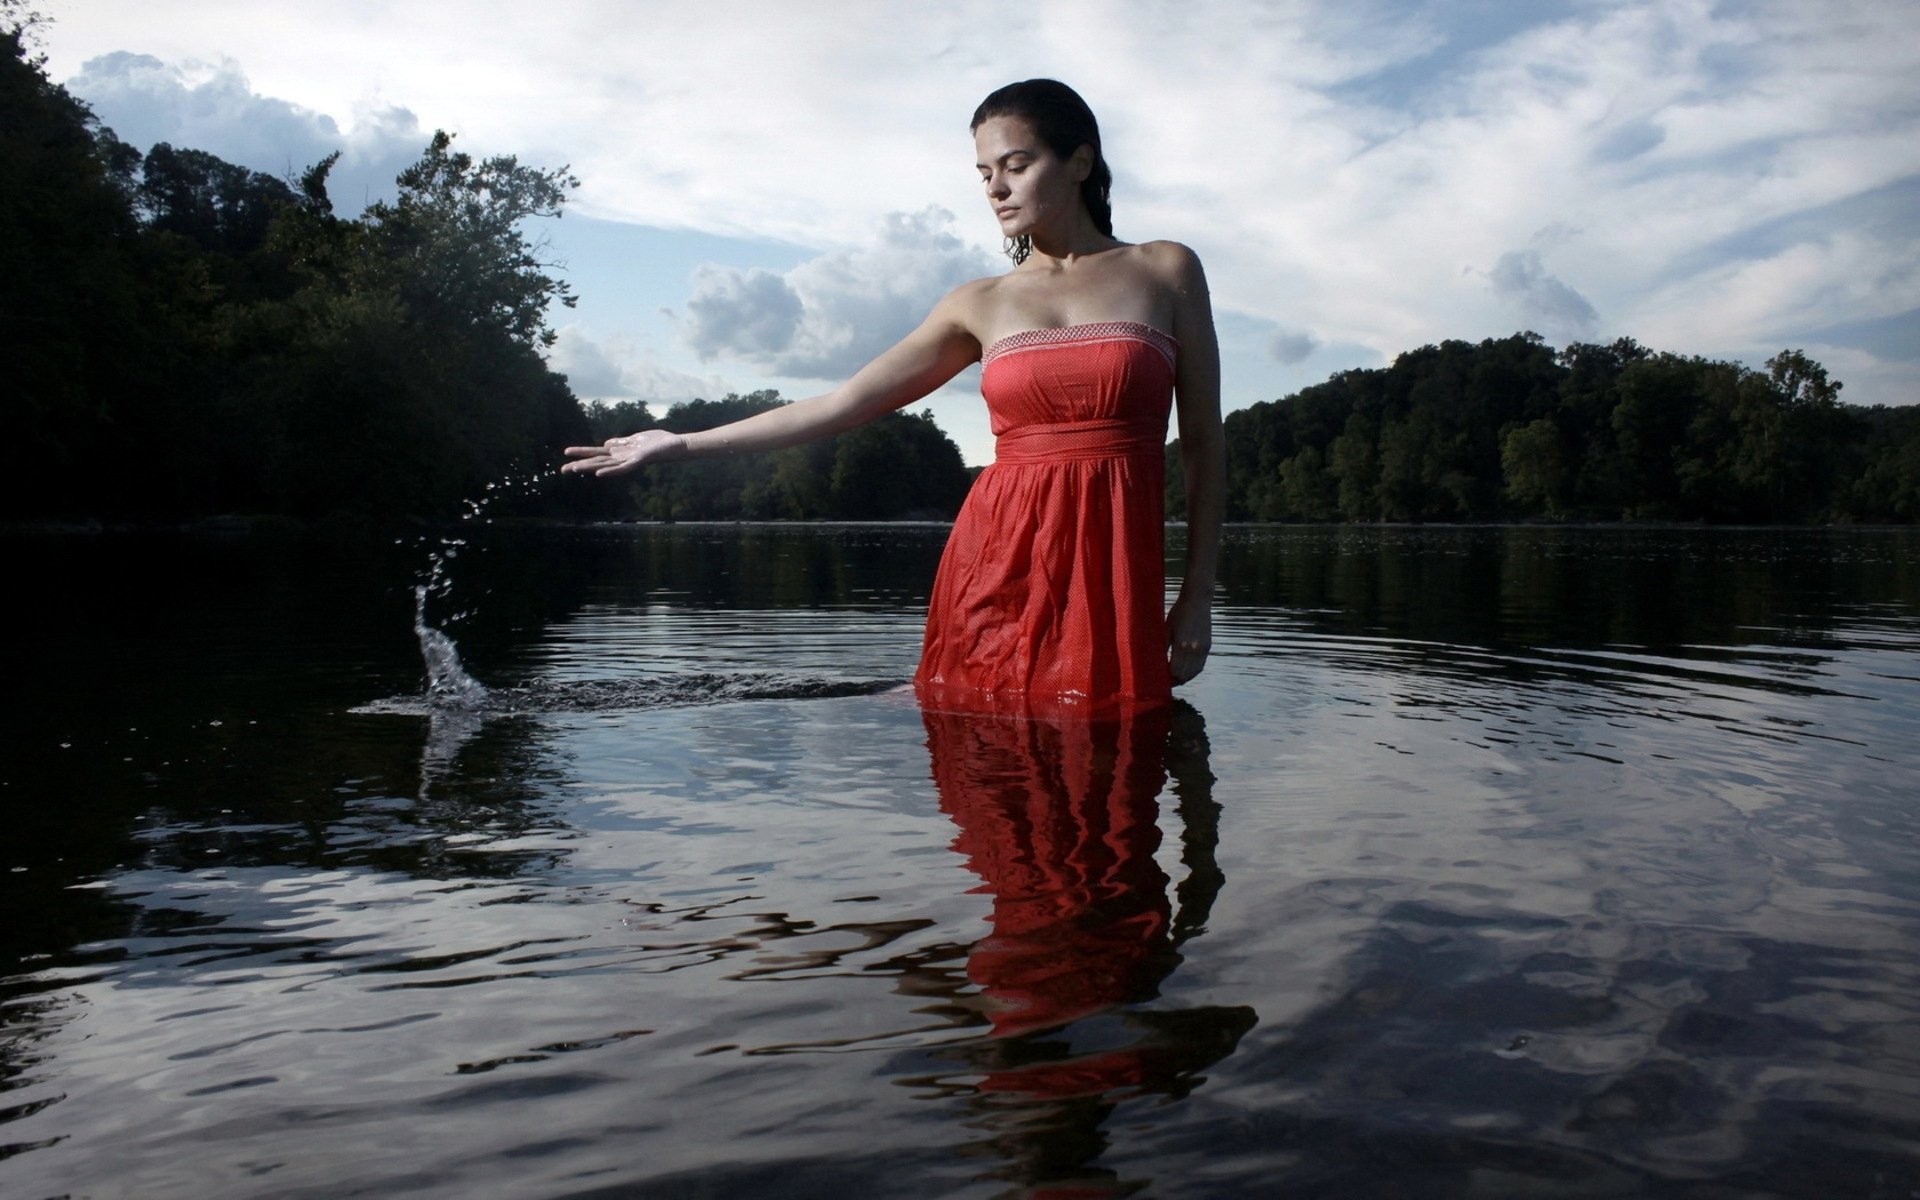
1059	819
1494	586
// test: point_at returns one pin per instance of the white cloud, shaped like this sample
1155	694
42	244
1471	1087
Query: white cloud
827	317
615	370
212	106
589	371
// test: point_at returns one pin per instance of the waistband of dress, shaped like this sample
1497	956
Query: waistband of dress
1114	438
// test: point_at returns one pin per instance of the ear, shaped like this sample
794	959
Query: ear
1080	163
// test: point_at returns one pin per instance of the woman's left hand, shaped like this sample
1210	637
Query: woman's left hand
1189	637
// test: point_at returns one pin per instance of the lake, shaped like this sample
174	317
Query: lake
1480	862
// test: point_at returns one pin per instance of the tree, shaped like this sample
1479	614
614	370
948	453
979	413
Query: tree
75	320
897	466
1535	467
1802	382
1353	460
404	370
1462	431
454	243
216	205
1887	488
1307	491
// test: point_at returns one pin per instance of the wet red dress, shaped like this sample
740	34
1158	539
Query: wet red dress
1051	591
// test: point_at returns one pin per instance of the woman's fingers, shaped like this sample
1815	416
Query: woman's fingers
1186	659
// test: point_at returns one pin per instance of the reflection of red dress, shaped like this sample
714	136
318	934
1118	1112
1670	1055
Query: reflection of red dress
1051	591
1058	818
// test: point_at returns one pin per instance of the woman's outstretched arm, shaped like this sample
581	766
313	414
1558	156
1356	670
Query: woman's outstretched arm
913	367
1203	458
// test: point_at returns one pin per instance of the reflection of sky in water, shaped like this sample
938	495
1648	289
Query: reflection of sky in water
1506	858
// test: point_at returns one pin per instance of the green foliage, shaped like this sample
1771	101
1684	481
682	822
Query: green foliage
898	466
1510	429
1888	487
219	207
76	311
1534	463
452	244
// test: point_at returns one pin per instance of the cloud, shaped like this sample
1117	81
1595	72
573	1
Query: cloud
590	373
749	314
213	107
1545	303
829	316
1291	346
615	370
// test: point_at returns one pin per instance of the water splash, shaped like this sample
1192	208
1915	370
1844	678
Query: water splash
632	695
449	687
448	684
457	705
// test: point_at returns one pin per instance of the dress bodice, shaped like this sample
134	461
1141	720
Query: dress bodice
1110	371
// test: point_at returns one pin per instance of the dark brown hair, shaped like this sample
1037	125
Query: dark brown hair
1062	120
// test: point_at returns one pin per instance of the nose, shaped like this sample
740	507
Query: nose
997	188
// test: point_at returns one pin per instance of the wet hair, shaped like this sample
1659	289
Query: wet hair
1063	121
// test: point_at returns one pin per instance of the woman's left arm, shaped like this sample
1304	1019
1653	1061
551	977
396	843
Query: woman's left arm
1203	459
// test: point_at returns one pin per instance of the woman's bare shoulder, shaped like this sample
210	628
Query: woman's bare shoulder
1169	260
974	293
972	306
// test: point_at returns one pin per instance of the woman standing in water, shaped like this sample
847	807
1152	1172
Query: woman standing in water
1050	591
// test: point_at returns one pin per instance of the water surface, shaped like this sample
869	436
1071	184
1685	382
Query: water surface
1480	862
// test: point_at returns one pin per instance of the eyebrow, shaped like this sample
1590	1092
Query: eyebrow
1002	160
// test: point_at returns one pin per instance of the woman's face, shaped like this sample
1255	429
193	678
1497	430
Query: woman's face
1028	185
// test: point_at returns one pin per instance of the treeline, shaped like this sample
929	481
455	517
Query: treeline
897	467
185	337
1513	429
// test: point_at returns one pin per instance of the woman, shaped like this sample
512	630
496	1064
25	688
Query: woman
1049	593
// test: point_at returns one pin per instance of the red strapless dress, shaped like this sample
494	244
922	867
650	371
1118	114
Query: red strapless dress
1051	592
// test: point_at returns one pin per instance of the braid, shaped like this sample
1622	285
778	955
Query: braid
1097	190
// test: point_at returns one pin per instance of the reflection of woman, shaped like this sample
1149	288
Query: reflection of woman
1051	588
1059	819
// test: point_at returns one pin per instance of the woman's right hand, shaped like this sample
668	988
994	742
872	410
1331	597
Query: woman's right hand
617	456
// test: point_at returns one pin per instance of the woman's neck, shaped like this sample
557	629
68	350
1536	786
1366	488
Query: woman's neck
1060	250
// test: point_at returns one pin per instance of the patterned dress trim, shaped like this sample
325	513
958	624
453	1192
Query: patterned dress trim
1090	331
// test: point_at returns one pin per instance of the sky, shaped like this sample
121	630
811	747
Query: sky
773	191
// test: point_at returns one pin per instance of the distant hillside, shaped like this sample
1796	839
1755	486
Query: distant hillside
1514	429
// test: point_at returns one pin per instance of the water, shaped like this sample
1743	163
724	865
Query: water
1480	862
